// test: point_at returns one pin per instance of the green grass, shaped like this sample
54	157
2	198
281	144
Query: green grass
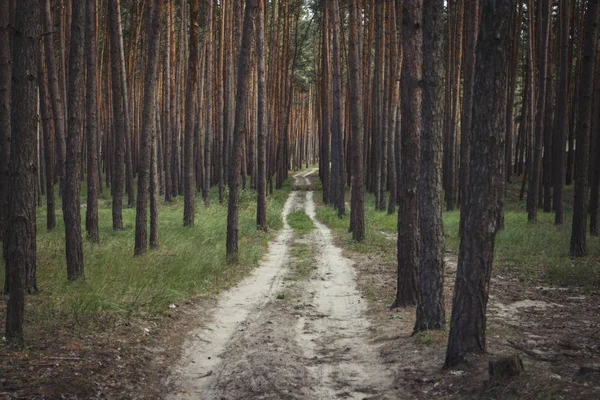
189	263
535	250
304	262
300	223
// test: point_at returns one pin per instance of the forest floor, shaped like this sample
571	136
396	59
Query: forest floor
312	321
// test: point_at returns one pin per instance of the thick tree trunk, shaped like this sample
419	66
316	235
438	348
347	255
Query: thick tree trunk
241	108
20	245
91	122
356	115
430	304
408	202
586	90
152	17
486	187
71	199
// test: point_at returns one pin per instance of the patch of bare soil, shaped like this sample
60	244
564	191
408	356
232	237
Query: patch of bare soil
308	337
116	361
556	331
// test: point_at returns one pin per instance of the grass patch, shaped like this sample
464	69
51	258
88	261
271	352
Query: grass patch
429	338
303	263
300	223
118	286
535	250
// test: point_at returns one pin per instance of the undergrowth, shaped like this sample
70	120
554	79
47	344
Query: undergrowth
537	250
189	263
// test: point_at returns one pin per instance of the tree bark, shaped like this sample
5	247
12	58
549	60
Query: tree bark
21	223
586	90
337	144
430	301
356	105
239	130
261	181
152	17
5	110
71	199
408	202
91	122
191	92
484	199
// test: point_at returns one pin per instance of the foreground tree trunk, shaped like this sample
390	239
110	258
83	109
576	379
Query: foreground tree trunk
408	201
430	305
239	130
357	212
584	119
91	127
486	188
152	11
71	199
20	235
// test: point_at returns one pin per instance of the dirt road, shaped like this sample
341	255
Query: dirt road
284	334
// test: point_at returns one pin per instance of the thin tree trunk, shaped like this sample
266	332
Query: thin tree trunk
337	144
191	92
48	141
261	182
91	122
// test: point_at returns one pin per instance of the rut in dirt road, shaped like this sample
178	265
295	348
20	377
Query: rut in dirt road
274	337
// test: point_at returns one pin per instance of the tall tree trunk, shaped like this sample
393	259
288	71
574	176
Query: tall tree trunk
325	107
472	24
56	93
357	211
561	116
337	144
168	118
118	75
586	90
378	89
71	199
261	181
21	224
5	110
430	303
241	108
47	140
91	122
486	186
191	92
393	107
209	127
152	16
408	202
542	64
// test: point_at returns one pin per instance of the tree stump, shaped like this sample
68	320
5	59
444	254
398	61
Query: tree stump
505	368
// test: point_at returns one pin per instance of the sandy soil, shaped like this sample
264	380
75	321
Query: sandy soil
276	338
330	334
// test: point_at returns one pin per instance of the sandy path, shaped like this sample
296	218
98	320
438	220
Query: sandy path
276	338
